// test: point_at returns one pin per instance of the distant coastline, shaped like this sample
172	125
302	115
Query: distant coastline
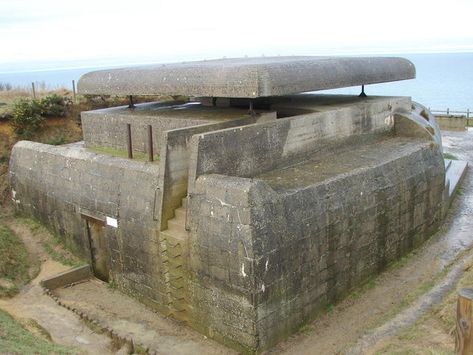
443	80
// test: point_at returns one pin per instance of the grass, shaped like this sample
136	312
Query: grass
449	156
58	140
14	263
54	245
14	339
122	153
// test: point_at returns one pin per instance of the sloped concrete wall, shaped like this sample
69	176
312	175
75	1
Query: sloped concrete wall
56	184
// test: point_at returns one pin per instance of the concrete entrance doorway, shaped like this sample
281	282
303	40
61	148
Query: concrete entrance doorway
99	254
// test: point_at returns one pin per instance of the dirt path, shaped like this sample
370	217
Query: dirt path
130	319
63	326
338	330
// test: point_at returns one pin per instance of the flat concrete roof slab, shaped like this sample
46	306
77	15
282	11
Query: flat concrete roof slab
246	77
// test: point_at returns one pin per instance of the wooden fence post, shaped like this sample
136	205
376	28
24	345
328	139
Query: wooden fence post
464	329
34	91
74	90
128	141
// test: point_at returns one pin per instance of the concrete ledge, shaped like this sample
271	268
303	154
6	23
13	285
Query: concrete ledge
454	174
449	123
67	277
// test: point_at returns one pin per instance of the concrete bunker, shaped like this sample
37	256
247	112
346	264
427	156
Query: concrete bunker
266	204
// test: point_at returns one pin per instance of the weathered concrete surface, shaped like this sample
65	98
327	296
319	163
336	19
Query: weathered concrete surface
246	77
266	260
59	185
418	121
67	277
452	123
107	127
253	149
174	163
273	233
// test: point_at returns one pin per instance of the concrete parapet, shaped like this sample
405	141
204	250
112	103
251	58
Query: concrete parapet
107	127
452	123
253	149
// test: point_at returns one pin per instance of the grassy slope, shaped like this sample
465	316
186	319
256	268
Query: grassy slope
14	263
14	339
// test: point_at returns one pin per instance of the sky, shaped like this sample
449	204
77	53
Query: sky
41	34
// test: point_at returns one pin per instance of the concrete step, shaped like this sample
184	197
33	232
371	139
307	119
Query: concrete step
455	174
177	223
184	202
179	234
180	213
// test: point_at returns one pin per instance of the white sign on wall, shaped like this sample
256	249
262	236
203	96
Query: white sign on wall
112	222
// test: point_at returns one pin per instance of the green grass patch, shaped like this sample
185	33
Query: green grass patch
122	153
59	251
450	156
54	244
14	339
14	263
58	140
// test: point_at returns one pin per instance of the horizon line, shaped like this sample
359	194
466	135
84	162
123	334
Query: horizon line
146	62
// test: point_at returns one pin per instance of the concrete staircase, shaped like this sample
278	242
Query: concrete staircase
174	254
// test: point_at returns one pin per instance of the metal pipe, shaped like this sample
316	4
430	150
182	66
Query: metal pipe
250	110
150	143
131	104
362	91
128	141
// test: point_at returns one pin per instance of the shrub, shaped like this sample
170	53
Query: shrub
55	105
26	117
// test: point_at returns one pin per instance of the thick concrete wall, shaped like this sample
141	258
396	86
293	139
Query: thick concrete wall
253	149
174	164
317	243
107	128
222	260
58	184
285	256
452	123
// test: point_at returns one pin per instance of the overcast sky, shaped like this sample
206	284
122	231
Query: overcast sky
40	33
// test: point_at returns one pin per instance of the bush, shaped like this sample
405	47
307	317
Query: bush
55	106
26	117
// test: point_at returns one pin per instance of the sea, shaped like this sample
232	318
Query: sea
444	81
